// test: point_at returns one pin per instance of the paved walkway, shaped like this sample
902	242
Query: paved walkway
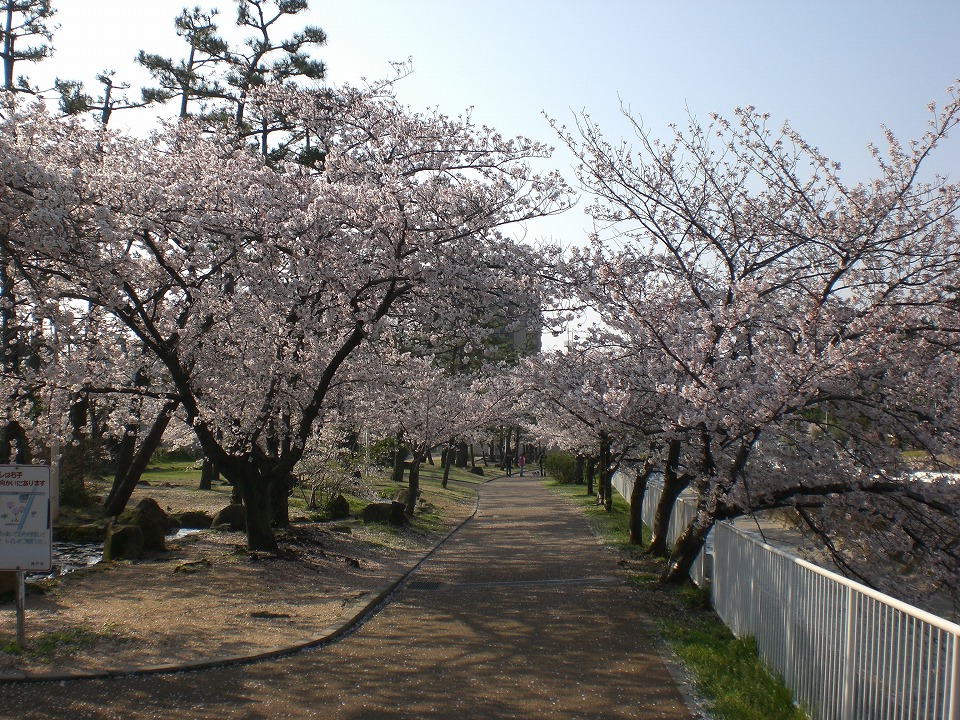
519	615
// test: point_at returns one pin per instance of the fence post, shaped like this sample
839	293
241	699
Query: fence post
849	661
955	680
789	569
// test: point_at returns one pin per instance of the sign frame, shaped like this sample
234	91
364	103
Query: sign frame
26	531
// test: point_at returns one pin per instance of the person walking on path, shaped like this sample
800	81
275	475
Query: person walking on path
508	465
521	461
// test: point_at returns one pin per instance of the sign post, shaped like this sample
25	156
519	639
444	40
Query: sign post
21	610
26	533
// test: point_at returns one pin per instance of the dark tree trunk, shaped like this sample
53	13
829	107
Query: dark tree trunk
590	472
399	457
131	432
688	546
673	485
636	503
120	494
280	501
125	452
462	458
257	493
448	453
75	463
209	473
606	472
578	470
413	483
14	445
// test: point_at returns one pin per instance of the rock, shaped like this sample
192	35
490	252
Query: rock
388	512
193	566
338	508
8	582
86	533
193	519
232	516
402	495
124	542
477	470
152	521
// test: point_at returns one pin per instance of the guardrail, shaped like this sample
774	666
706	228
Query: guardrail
847	652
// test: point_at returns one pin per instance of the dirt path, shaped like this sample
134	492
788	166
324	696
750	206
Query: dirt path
519	615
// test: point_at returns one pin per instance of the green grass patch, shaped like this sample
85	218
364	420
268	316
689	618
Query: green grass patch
727	671
430	521
175	472
435	473
178	472
44	647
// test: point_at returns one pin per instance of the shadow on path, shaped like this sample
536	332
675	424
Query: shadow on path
519	615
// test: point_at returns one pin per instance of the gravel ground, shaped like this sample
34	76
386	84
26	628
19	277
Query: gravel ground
208	598
521	614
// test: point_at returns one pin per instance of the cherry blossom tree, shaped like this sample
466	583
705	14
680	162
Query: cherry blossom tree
578	398
803	330
429	406
253	285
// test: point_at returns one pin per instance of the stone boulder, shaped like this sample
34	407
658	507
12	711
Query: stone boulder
385	513
152	520
338	508
85	533
192	519
124	542
402	495
232	517
477	470
8	583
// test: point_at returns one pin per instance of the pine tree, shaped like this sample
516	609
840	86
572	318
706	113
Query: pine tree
191	78
74	100
221	76
24	20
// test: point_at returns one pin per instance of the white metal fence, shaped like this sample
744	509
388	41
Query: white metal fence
847	652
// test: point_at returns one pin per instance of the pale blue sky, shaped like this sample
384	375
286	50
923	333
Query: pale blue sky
837	69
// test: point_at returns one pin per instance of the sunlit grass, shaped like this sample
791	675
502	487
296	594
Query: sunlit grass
727	671
43	647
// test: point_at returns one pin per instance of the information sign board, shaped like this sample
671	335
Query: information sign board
26	538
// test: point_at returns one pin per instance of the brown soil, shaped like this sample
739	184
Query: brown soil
208	598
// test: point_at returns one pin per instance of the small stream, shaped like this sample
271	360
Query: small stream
70	556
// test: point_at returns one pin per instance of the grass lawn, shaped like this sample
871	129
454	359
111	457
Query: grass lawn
174	484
